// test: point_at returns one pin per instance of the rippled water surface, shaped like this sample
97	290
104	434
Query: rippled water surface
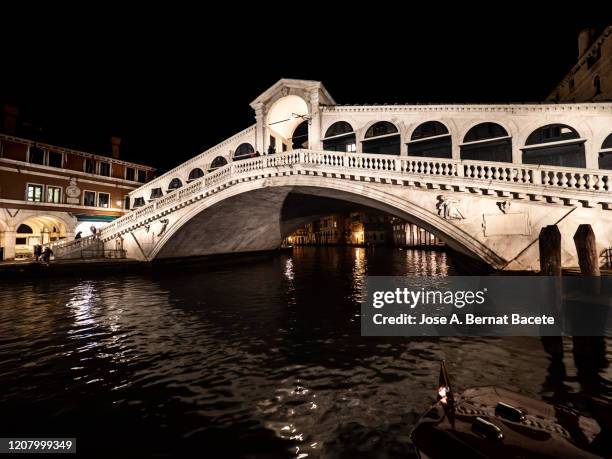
260	358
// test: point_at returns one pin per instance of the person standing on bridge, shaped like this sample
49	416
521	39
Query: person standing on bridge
93	230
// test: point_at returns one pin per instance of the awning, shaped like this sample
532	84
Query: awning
94	218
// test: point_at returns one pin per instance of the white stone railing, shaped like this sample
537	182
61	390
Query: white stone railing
61	247
590	185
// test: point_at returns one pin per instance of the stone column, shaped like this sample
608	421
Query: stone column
260	130
455	149
9	245
591	153
314	127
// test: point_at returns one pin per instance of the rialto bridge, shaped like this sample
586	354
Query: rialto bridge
483	178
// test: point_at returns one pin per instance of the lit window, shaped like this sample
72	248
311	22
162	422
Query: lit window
35	193
103	200
54	194
89	198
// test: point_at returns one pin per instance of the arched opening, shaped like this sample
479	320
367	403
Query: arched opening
487	142
244	151
555	145
299	139
218	162
382	138
340	136
174	184
282	121
24	229
605	154
37	230
195	174
430	139
156	193
597	85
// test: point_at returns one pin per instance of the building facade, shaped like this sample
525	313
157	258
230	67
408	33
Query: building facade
590	79
49	192
407	234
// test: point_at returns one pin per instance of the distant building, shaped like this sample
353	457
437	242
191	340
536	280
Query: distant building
49	192
590	79
410	235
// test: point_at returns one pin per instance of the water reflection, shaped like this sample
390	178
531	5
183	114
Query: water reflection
263	358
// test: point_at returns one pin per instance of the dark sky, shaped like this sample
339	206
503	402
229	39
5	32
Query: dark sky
173	83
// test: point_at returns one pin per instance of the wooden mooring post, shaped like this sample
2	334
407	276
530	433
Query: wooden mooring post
550	265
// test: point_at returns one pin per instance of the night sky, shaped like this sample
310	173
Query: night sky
173	83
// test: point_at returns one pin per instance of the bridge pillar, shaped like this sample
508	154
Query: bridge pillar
314	127
591	153
260	130
455	149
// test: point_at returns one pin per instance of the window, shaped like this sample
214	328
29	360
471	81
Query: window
218	162
54	194
130	174
244	151
126	202
175	183
138	202
34	193
21	240
89	166
55	159
597	85
24	229
104	200
156	193
196	174
37	155
89	198
142	176
105	169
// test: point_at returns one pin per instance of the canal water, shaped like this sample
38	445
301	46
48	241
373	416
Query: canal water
258	358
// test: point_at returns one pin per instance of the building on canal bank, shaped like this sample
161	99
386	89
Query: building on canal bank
363	228
49	192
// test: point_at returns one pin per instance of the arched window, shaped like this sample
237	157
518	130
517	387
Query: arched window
196	174
340	137
487	142
244	151
175	183
382	138
430	139
218	162
24	229
554	145
605	154
299	139
156	193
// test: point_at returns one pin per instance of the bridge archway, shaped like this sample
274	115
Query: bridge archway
430	139
605	154
340	136
487	142
243	151
195	174
555	145
38	229
216	163
382	137
283	118
258	209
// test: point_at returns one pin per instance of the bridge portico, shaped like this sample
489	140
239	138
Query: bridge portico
483	178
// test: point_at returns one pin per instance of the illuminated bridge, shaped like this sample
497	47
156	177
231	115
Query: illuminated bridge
483	178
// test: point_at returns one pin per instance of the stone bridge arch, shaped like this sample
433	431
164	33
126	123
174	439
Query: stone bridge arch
250	217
